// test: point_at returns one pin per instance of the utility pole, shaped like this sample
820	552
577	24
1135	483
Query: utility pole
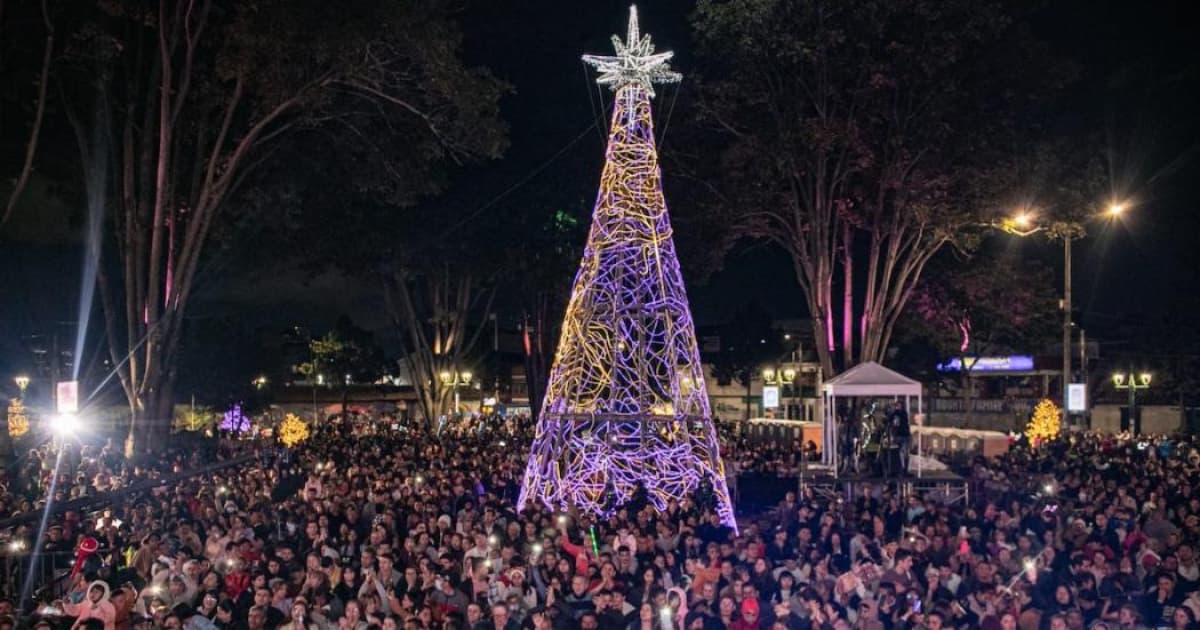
1066	349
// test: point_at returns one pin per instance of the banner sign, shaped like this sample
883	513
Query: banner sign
1076	397
1014	363
67	397
770	397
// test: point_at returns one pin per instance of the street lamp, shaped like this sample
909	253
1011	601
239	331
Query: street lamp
455	379
1132	382
22	383
776	377
1024	224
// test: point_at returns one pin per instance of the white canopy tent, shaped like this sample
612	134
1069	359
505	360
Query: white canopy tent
865	380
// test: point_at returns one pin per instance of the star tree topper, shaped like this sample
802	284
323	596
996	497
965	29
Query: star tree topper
635	63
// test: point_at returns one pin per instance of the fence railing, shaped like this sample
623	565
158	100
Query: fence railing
983	405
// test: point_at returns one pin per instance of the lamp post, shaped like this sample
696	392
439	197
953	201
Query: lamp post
1024	224
455	379
776	377
1132	382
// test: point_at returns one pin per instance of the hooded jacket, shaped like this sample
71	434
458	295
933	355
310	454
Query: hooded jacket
101	609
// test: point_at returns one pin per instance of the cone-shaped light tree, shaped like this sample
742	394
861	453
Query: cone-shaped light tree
625	408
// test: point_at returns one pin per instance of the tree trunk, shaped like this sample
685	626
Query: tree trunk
847	295
150	422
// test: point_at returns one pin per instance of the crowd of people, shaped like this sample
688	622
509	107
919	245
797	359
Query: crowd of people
416	530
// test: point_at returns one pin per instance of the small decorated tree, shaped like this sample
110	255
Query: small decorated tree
235	421
18	421
1045	423
293	430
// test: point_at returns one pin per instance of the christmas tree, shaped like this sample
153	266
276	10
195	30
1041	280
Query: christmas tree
626	408
1045	423
18	422
235	421
293	430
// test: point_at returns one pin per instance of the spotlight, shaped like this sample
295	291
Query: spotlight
537	549
64	424
493	541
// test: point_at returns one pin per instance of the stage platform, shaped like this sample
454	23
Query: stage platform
756	493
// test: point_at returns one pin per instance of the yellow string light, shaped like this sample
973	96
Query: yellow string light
293	430
18	422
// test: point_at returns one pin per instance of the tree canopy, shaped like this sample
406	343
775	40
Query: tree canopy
189	114
862	138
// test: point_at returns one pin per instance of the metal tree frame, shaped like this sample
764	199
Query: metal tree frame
626	408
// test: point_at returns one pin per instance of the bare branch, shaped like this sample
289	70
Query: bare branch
39	113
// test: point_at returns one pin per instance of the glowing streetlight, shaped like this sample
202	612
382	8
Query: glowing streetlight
455	380
780	377
1132	382
1024	223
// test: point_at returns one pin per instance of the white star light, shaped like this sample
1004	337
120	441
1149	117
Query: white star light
635	63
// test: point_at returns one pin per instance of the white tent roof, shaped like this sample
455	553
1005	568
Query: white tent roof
871	379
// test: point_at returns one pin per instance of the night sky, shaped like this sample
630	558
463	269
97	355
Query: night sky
1139	66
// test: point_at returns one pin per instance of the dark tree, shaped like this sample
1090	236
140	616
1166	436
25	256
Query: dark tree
27	54
862	138
196	97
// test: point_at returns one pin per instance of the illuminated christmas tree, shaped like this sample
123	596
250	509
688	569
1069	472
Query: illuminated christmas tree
18	421
626	408
292	430
235	421
1045	423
